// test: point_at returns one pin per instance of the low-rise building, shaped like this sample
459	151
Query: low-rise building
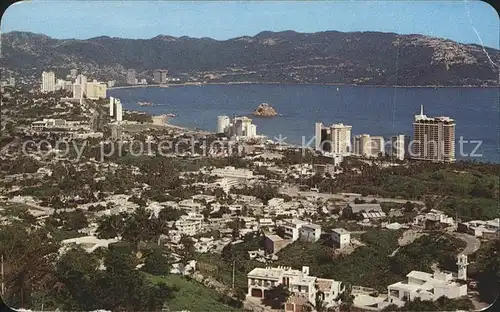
341	237
190	224
190	205
274	243
435	216
302	286
232	172
266	223
479	228
368	211
291	228
310	232
425	286
323	169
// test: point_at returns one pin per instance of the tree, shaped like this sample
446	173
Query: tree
276	296
123	288
488	270
280	231
110	226
158	227
188	248
29	254
408	206
76	272
346	298
170	214
138	200
235	227
359	201
319	304
75	220
137	227
157	263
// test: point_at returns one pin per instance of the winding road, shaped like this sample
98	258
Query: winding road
473	243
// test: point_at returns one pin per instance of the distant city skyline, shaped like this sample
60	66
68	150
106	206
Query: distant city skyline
463	21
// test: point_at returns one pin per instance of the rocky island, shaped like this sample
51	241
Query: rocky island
265	110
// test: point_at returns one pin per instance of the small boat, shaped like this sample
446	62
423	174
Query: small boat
170	115
338	89
144	103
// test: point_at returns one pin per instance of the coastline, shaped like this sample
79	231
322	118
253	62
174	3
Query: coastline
291	83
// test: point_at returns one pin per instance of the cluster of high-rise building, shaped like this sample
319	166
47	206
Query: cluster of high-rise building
433	140
239	127
80	87
334	139
160	76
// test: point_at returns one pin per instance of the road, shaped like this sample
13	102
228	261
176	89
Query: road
351	198
293	191
473	243
40	210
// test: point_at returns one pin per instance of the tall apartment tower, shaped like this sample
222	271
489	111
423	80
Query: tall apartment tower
433	138
368	146
160	76
95	90
80	80
111	106
243	127
131	76
335	139
119	110
361	145
77	91
48	81
223	123
399	146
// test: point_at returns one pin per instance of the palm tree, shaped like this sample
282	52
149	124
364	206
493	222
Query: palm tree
158	227
346	298
110	226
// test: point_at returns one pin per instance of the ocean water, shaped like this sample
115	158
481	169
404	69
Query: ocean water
381	111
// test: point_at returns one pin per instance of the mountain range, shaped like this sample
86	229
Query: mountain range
365	58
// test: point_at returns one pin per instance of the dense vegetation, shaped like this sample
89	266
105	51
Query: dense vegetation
369	266
486	270
36	277
469	190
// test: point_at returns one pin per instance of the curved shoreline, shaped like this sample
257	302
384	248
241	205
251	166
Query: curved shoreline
294	83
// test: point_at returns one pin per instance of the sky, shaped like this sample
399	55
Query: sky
466	21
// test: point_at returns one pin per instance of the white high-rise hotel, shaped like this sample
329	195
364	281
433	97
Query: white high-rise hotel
116	109
239	127
399	146
334	139
48	81
368	146
223	124
433	138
